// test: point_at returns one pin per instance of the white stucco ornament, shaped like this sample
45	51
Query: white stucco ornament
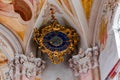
84	61
28	67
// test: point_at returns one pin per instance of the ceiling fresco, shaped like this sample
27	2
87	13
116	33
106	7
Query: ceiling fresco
20	14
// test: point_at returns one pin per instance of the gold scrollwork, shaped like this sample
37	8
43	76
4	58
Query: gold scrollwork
56	56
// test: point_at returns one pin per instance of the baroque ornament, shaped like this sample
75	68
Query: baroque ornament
84	61
29	67
56	40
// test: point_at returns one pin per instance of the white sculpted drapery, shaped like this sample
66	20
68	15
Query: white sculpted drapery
25	68
85	64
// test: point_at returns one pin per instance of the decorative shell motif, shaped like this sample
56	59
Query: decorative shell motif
56	41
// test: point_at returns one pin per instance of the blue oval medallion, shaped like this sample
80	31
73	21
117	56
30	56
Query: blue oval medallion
56	41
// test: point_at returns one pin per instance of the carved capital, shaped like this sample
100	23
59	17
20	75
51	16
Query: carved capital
84	61
23	65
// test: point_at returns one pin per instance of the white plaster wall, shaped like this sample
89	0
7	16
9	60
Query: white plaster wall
111	54
108	57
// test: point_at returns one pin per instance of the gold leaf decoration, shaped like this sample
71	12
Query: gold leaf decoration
56	41
87	5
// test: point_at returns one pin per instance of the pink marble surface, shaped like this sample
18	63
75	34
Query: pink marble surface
87	76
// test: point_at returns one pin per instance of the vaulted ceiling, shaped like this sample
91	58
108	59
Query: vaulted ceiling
21	16
92	19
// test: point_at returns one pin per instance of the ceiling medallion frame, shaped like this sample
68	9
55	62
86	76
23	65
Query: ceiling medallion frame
55	39
56	55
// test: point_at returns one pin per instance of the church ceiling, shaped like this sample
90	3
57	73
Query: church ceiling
21	17
80	23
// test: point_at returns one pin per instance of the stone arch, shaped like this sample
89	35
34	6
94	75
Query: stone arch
9	44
